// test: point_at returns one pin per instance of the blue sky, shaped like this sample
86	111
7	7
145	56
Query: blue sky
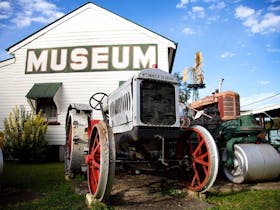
239	39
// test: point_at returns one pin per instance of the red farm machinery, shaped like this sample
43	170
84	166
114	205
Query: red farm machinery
144	124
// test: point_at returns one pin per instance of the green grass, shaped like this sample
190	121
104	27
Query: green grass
46	184
247	200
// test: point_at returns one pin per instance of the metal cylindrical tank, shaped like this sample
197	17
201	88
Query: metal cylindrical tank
254	162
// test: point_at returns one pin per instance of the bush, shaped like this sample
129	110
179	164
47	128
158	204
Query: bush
25	135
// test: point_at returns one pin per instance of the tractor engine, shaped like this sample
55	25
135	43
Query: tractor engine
144	112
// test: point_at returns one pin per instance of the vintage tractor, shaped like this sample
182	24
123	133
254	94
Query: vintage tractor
245	154
141	125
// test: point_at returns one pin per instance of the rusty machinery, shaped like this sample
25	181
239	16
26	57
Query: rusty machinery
245	153
143	123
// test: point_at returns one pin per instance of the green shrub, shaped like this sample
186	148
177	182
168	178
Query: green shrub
25	135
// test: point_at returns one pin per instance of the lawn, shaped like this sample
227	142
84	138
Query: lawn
246	200
37	186
42	186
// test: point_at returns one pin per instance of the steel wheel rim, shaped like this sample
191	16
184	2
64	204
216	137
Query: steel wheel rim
201	148
69	150
101	161
94	164
237	173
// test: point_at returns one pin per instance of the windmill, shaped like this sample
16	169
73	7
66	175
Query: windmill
197	77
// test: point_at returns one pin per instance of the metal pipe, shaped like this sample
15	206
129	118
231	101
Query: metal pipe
162	159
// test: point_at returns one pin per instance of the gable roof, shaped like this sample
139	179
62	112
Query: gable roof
68	16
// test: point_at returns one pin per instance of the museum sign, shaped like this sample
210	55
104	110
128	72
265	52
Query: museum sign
91	58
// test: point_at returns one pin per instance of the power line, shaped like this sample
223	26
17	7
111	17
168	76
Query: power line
262	99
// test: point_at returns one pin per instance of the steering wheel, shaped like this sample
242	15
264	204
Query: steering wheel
96	100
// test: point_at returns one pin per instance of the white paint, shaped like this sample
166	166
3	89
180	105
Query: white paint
94	27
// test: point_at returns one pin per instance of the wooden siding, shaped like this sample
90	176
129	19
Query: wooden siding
89	27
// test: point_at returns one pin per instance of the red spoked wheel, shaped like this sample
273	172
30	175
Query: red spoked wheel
200	158
101	161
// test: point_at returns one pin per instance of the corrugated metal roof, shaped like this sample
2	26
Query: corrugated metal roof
43	90
273	111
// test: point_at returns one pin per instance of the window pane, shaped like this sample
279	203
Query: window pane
48	108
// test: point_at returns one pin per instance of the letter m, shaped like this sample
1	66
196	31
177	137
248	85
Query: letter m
34	63
144	59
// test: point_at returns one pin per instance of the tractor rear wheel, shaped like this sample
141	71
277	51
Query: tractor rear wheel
101	161
200	158
76	142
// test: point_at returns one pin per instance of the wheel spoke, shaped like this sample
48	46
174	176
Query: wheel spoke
195	179
198	148
200	159
96	147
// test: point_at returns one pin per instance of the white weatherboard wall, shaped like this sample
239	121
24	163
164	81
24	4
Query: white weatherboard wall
89	25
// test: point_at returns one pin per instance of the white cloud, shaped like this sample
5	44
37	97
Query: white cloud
263	82
258	22
182	3
5	5
227	55
197	12
243	12
209	1
273	1
220	5
274	8
273	50
5	10
212	19
188	31
27	12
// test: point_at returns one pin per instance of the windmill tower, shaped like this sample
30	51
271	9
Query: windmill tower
197	77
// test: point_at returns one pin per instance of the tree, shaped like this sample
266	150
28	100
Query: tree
184	91
24	135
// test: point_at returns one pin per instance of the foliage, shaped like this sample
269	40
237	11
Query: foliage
1	139
184	91
276	122
25	135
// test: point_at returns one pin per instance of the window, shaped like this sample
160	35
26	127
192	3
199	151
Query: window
48	107
45	97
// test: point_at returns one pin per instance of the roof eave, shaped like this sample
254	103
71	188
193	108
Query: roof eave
69	15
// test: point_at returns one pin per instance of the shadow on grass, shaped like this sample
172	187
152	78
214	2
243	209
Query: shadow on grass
37	186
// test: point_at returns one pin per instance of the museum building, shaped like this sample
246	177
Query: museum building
86	51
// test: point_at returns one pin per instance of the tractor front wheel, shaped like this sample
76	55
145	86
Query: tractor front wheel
200	158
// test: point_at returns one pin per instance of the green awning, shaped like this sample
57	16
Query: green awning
43	90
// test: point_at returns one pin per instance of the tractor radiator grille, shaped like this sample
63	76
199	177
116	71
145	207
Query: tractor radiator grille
157	103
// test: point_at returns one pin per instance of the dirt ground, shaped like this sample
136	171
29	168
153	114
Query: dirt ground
146	191
150	191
